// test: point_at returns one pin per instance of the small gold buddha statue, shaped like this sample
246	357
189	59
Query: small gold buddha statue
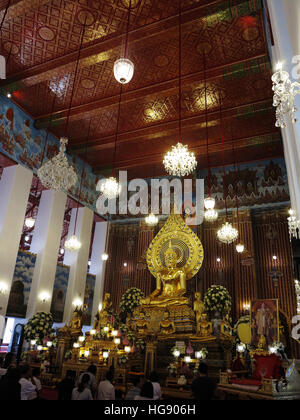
167	327
262	343
205	327
199	309
103	315
170	282
142	325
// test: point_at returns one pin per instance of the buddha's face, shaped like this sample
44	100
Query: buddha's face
170	258
166	315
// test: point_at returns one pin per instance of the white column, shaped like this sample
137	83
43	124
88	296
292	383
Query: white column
15	187
78	261
45	243
285	21
97	265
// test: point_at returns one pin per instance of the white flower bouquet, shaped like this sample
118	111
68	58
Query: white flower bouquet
218	299
38	327
131	300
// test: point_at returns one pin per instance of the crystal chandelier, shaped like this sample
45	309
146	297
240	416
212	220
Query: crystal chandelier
293	223
151	220
240	248
227	233
109	188
29	222
210	214
123	70
284	94
297	286
57	174
179	161
73	244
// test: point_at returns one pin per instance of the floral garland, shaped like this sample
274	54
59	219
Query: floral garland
38	327
131	300
218	299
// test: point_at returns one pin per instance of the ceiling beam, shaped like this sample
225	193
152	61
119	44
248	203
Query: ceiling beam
200	150
144	134
102	49
168	87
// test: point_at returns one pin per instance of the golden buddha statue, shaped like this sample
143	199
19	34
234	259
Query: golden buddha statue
205	327
167	327
199	308
76	321
142	326
103	316
174	256
262	343
170	282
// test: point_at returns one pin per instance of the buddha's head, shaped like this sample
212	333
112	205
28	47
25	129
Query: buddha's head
170	257
166	315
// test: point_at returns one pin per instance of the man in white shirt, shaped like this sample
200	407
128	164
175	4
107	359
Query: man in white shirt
28	389
106	390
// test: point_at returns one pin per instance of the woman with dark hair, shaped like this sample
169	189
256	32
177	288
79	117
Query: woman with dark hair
10	389
83	392
8	361
156	385
147	392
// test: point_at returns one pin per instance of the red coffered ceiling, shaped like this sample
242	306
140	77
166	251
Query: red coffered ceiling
42	38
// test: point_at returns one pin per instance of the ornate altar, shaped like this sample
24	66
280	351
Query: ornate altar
167	316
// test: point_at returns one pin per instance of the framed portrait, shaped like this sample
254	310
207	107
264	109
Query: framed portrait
264	321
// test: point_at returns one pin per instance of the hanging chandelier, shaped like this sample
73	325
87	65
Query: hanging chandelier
73	244
293	223
210	214
123	67
57	174
110	188
240	248
151	220
179	161
227	234
123	70
284	96
29	222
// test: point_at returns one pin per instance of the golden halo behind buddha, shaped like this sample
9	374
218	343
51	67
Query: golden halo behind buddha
186	244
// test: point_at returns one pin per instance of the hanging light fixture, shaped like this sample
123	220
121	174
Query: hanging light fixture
57	174
29	222
179	161
293	223
240	248
123	67
110	188
73	244
104	256
151	220
227	234
210	214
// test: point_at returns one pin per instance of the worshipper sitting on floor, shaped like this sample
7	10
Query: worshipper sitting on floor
91	372
203	387
147	392
28	387
106	390
66	386
83	392
156	386
138	382
36	375
10	389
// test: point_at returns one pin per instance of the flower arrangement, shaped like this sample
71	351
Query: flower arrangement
131	300
38	327
203	353
140	345
172	369
130	336
218	299
123	359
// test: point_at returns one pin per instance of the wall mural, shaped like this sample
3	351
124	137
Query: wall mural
60	292
23	143
21	285
88	299
256	184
